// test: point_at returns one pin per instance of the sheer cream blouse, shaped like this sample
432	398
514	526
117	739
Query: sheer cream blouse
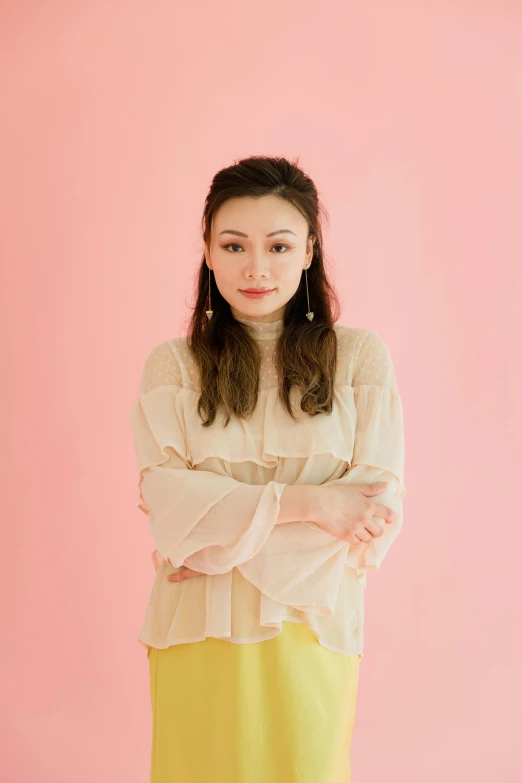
212	497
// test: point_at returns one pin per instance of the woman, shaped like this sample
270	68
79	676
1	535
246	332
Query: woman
270	453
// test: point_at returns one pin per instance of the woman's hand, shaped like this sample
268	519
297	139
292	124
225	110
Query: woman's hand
343	510
185	573
347	511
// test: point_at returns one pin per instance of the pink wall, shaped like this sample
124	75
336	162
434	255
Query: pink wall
116	116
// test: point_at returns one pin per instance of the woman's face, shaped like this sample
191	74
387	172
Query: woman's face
243	255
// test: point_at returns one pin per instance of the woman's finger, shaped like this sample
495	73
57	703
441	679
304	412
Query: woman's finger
186	573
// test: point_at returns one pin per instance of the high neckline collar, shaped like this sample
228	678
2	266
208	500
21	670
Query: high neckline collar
263	330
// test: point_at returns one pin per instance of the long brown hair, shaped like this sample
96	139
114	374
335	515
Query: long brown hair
227	356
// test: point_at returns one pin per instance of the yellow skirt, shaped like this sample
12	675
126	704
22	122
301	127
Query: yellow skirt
278	710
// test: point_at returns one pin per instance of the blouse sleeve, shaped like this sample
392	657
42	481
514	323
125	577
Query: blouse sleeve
207	521
378	453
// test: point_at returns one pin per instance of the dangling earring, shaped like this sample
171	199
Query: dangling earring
209	312
309	314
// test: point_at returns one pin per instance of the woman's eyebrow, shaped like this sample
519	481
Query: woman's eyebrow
240	233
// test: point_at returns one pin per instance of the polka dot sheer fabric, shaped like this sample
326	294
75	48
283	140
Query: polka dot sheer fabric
212	497
171	362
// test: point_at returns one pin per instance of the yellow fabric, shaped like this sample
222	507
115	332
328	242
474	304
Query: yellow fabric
276	711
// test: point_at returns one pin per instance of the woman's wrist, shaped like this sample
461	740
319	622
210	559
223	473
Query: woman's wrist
299	502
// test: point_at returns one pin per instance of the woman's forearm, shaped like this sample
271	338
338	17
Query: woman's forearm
298	503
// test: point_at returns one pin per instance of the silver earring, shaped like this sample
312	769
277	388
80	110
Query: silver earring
209	312
309	314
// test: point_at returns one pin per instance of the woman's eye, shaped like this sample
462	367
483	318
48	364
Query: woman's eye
234	244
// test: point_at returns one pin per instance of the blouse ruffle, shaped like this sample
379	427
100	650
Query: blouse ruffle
204	517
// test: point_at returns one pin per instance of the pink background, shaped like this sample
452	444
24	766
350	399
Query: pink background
408	115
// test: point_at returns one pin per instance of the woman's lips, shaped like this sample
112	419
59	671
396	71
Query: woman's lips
256	294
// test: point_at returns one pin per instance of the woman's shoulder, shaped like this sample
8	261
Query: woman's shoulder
349	332
164	353
366	355
170	361
351	339
359	336
162	366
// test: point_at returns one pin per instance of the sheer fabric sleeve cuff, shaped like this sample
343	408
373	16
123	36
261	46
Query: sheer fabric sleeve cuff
207	521
378	456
